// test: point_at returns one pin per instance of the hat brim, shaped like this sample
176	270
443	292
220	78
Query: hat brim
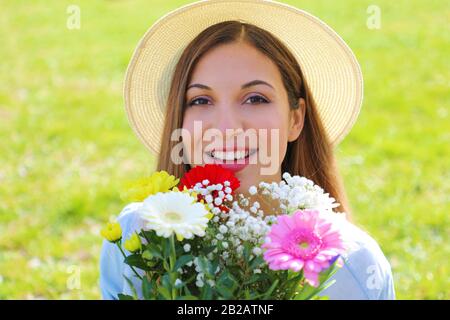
328	64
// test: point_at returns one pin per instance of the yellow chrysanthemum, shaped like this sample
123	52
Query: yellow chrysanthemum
112	232
140	189
133	244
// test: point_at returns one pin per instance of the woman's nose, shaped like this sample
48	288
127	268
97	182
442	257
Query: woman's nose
227	118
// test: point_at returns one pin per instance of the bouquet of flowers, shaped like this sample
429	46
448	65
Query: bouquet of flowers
203	241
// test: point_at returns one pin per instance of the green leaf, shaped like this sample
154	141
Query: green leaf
227	280
149	235
213	267
268	293
206	292
154	250
164	292
165	281
147	289
133	289
181	261
187	291
187	297
166	265
258	277
121	296
136	260
225	292
207	250
203	264
247	251
306	292
166	247
256	262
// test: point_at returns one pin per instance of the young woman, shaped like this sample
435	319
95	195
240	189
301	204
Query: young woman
289	76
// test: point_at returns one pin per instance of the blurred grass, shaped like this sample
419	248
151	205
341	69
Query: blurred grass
66	145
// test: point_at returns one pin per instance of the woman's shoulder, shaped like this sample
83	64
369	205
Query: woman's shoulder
366	273
363	247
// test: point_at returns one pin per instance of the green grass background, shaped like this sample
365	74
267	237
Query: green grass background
65	144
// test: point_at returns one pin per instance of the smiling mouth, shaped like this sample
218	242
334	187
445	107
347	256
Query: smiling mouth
231	155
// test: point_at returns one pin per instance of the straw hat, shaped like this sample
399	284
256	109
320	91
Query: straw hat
329	66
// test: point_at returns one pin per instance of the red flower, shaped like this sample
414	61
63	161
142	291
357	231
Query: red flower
215	174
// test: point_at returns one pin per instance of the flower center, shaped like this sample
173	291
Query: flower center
304	244
172	216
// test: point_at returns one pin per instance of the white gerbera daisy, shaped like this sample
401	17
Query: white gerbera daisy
175	212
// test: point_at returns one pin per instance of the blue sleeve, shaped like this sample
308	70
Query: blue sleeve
111	270
388	291
370	268
112	267
365	275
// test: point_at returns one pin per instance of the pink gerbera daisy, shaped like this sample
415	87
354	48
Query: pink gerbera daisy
304	240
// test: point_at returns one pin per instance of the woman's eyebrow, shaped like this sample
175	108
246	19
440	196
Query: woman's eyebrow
246	85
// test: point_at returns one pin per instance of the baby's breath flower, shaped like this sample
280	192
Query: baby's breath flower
178	283
200	276
217	201
208	198
223	229
199	283
257	251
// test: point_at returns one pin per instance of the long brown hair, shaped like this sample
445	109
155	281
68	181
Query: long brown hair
311	155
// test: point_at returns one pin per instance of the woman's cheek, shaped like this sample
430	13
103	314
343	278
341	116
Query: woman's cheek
187	145
193	130
273	144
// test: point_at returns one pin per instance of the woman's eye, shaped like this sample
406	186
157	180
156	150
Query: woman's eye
257	100
200	100
252	99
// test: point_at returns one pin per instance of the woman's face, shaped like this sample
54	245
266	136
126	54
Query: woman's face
237	114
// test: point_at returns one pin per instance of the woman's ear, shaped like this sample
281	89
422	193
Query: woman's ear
296	120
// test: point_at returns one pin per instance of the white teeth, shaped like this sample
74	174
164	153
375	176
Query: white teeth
229	155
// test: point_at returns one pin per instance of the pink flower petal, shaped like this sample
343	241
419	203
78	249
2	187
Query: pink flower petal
297	265
312	278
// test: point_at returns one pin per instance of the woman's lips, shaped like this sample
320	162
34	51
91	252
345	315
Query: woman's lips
233	165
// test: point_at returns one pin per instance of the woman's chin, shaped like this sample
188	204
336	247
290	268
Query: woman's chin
247	179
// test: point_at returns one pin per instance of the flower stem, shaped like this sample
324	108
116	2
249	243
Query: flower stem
123	253
173	259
